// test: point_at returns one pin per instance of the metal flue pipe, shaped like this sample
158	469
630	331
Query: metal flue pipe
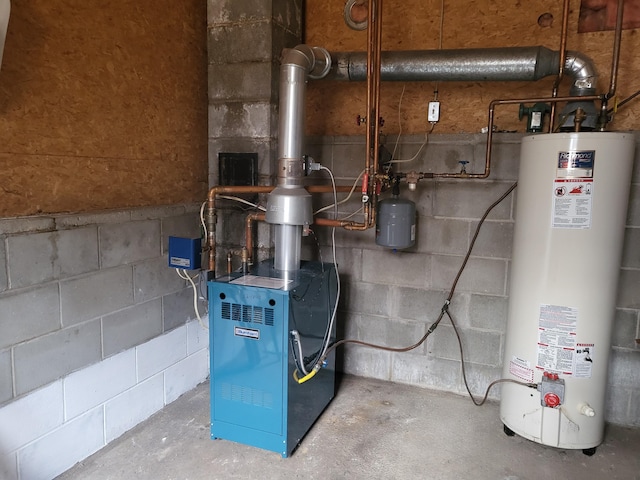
289	204
470	65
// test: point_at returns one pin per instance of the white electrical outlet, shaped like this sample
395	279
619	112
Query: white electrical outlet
433	114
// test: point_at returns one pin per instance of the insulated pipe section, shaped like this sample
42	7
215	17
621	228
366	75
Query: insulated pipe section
476	64
289	204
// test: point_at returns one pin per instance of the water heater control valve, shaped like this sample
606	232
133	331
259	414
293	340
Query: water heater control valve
551	390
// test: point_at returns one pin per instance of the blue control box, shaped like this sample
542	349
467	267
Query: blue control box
184	253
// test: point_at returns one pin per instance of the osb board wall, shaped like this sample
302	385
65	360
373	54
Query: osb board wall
415	25
102	105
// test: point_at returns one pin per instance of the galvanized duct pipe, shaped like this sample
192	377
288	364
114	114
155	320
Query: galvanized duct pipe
289	204
474	64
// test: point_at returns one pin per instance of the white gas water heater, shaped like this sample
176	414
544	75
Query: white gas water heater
573	191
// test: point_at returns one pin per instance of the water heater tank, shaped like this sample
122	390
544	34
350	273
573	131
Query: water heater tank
396	223
572	197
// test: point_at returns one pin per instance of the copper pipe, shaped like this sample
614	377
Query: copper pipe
328	188
563	56
370	214
372	5
211	214
227	189
374	53
329	222
492	105
373	196
616	50
248	232
229	263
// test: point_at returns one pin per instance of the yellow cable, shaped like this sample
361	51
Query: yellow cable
306	377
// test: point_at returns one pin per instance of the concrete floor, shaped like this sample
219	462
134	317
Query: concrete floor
373	430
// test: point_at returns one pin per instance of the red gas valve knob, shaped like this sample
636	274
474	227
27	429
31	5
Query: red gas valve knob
552	400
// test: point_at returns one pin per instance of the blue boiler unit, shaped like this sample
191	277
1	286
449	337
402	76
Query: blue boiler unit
255	399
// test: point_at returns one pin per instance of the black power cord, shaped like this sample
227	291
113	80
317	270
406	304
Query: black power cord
443	311
464	373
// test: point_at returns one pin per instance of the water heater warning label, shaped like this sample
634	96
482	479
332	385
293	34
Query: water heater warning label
557	338
520	368
572	203
584	360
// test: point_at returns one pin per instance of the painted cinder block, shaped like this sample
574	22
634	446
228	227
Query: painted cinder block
8	466
6	377
488	312
9	226
197	336
418	304
129	242
49	357
185	375
4	282
38	310
471	199
631	252
131	326
425	371
133	406
240	43
92	386
628	283
152	279
479	346
59	450
368	298
42	257
494	240
96	294
395	268
367	362
161	352
231	119
30	417
481	275
177	308
241	81
442	235
633	210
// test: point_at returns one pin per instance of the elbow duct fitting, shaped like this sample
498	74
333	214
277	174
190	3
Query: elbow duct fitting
289	204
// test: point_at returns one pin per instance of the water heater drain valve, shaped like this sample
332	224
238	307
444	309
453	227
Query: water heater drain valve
551	390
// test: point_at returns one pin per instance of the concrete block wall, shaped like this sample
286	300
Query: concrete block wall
81	295
46	432
245	42
77	289
392	297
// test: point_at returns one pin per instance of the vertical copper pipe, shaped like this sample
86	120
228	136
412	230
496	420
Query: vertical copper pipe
374	54
370	87
211	214
616	50
563	56
229	263
371	221
248	232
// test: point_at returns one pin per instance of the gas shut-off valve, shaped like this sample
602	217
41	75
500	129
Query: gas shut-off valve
551	390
